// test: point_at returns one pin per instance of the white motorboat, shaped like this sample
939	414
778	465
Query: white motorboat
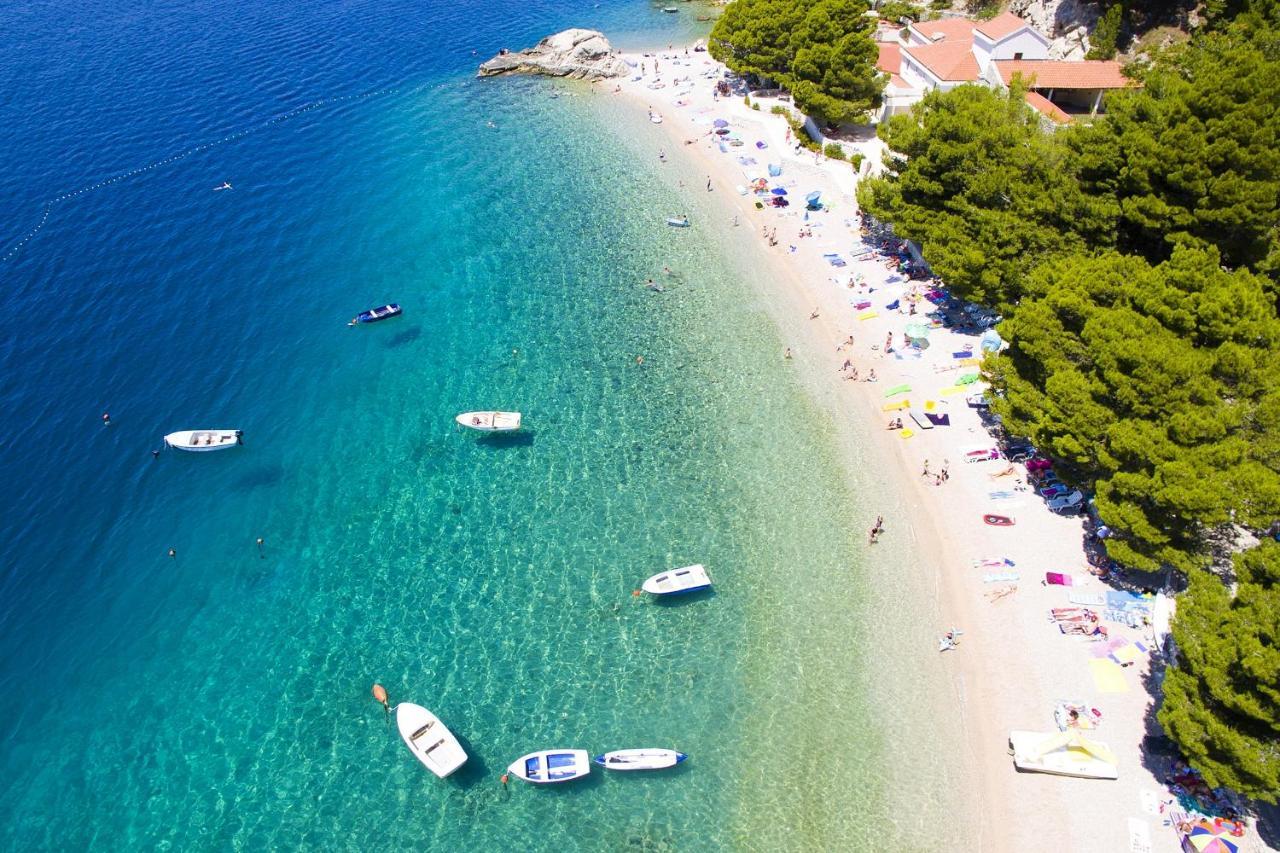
640	759
1067	753
551	765
204	440
676	581
429	739
490	421
678	221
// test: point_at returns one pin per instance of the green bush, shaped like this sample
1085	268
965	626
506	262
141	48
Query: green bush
746	99
756	106
779	110
834	150
1106	35
802	134
856	159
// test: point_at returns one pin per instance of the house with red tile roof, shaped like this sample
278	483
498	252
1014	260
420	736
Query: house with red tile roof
950	52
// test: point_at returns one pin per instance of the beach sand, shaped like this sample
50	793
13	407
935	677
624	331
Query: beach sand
1012	665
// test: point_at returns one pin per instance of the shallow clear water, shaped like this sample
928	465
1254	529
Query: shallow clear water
221	698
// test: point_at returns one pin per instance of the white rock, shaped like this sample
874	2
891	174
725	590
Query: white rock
577	53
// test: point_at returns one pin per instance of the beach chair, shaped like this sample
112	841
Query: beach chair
1061	502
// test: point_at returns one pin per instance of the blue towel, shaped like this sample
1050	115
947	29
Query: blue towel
964	354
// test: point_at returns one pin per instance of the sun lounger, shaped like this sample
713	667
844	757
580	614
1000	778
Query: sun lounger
921	421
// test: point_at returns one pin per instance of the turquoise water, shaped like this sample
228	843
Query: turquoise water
221	699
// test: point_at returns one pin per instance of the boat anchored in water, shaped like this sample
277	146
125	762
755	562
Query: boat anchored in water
490	421
373	315
429	739
551	765
640	759
678	221
204	440
688	579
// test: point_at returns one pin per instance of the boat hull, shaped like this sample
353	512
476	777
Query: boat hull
490	421
678	581
204	440
551	766
640	759
429	740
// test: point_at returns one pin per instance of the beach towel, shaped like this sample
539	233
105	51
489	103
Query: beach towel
921	421
1108	677
897	389
1058	579
970	362
1117	600
906	433
999	577
993	562
1001	496
938	420
1088	599
898	406
835	260
859	306
967	379
1128	652
962	354
954	389
1150	802
868	315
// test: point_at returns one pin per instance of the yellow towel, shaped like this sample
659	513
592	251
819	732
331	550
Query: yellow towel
868	315
970	362
906	433
1108	677
1127	654
929	405
898	406
954	389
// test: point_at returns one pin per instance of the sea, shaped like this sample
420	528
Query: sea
188	642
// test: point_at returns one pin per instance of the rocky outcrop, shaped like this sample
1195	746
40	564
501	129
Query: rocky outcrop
580	54
1067	23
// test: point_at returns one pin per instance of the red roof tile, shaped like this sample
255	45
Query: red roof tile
1054	74
889	60
1043	105
951	61
1004	24
951	29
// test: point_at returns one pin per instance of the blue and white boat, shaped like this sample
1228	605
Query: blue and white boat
677	581
640	759
373	315
678	221
551	765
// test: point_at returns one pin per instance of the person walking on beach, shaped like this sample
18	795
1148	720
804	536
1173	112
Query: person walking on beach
876	530
787	354
708	183
925	473
888	344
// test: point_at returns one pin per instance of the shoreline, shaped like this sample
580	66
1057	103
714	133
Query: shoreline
1012	666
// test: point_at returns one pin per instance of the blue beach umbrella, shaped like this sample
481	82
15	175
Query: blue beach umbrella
720	123
778	191
813	196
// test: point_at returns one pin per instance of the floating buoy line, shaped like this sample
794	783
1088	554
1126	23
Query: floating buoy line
182	155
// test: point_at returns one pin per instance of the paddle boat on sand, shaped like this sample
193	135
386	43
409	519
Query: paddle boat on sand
429	740
204	440
678	221
677	581
1067	753
551	765
490	421
640	759
373	315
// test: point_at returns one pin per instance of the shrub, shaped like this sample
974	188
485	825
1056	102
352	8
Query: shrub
779	110
834	150
856	159
896	10
756	106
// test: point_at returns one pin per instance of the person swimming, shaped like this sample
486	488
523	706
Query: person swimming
226	185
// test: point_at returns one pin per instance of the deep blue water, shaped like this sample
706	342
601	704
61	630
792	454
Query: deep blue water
221	698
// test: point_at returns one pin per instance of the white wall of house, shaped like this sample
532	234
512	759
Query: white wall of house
1026	41
916	75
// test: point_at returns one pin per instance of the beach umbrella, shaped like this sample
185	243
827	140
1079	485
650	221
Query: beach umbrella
778	191
916	331
813	196
720	123
1206	838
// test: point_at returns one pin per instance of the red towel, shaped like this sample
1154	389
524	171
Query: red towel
1056	579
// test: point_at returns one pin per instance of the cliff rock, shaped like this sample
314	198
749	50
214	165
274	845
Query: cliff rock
580	54
1067	23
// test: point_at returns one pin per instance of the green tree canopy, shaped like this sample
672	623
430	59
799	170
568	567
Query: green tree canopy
1159	385
984	191
822	50
1195	153
1222	701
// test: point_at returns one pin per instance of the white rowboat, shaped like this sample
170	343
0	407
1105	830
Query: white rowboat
551	765
490	421
640	759
429	739
203	440
676	581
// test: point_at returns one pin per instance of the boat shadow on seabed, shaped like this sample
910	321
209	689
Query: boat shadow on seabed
500	440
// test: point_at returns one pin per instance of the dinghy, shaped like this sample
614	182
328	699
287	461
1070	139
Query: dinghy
373	315
640	759
678	221
676	581
204	440
429	740
1067	753
551	765
490	421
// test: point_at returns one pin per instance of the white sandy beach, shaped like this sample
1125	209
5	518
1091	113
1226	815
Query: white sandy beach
1012	665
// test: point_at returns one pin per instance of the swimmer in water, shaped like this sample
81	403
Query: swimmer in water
226	185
